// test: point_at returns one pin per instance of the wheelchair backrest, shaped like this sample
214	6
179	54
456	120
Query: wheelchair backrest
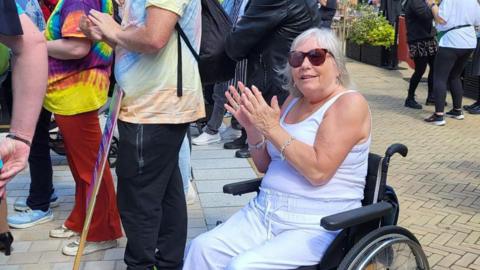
374	184
373	192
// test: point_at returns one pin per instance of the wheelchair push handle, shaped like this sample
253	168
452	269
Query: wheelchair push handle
396	148
391	150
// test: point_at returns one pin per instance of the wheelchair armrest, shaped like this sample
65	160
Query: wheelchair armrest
356	216
243	187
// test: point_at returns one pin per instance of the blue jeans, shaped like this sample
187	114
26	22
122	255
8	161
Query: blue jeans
218	111
184	163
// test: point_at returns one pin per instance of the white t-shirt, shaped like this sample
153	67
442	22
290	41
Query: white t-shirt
457	13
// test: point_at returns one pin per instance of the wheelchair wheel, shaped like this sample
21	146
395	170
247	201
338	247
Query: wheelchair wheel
389	248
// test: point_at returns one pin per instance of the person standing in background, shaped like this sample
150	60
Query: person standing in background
35	209
475	107
263	35
18	33
422	46
327	10
153	121
457	40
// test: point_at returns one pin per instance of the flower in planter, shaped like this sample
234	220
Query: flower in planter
381	34
371	28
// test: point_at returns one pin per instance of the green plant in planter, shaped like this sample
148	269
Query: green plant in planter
382	34
371	28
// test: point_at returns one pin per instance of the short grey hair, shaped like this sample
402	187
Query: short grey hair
328	41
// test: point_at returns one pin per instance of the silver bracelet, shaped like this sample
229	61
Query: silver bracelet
284	146
258	145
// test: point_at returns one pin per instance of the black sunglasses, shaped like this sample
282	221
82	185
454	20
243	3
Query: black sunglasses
316	57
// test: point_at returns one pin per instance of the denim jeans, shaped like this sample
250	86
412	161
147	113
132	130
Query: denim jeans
218	111
184	163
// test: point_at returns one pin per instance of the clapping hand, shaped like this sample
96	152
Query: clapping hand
252	109
90	30
101	24
234	106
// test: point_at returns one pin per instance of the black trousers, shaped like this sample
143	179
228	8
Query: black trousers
448	67
420	67
150	195
41	187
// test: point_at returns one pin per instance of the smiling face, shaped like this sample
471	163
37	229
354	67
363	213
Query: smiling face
315	81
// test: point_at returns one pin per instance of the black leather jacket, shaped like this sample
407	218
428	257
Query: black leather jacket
264	35
419	21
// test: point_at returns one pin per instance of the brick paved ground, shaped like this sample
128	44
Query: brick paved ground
438	184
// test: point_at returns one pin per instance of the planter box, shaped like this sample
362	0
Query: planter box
374	55
471	84
353	50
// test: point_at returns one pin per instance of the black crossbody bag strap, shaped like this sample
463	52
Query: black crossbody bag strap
456	27
181	35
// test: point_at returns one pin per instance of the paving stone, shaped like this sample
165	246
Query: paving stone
20	246
114	254
100	265
37	266
467	259
55	257
22	258
9	267
449	260
45	245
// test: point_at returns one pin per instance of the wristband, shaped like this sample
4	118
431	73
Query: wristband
13	136
284	146
258	145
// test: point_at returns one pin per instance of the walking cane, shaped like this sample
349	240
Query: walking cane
102	157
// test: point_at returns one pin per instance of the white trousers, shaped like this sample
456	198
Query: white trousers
274	231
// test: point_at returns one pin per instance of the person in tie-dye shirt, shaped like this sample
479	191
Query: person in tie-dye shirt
78	83
153	121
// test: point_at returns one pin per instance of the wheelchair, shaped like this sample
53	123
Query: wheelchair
369	238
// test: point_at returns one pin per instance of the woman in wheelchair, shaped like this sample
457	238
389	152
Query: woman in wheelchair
314	153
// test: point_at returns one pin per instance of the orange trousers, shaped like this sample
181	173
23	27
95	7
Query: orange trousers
82	135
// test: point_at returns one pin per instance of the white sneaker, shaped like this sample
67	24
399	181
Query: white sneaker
191	195
206	138
230	134
71	248
194	129
62	232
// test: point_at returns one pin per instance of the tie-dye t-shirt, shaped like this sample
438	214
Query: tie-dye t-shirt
33	10
150	80
79	85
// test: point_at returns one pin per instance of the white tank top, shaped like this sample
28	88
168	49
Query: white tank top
347	183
